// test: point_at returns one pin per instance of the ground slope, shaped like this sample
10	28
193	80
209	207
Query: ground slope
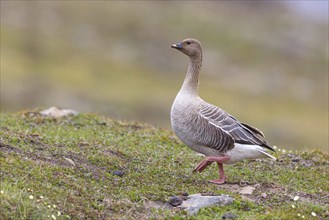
89	166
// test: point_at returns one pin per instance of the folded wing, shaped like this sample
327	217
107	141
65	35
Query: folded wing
229	126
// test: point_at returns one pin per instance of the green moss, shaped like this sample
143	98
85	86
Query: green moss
89	166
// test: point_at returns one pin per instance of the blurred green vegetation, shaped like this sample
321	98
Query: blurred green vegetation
262	63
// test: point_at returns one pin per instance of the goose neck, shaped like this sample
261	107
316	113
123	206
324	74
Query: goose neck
191	82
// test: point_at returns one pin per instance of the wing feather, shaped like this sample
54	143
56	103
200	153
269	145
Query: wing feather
211	135
240	132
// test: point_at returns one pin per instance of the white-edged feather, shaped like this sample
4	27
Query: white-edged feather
246	151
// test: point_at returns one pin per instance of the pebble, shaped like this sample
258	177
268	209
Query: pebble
229	215
175	201
118	173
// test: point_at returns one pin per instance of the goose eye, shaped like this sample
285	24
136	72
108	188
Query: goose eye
188	42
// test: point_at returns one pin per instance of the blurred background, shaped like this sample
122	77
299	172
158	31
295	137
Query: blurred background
265	62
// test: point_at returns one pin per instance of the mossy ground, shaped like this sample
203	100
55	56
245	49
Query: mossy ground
88	166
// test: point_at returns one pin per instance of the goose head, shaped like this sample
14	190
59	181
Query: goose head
191	47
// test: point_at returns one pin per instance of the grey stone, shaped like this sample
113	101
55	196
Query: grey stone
175	201
118	173
229	216
196	201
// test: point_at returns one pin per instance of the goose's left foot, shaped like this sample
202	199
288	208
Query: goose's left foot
219	181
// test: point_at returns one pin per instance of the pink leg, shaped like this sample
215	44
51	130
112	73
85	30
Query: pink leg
222	177
202	165
207	161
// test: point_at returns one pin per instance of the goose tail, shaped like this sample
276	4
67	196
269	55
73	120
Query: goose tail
266	154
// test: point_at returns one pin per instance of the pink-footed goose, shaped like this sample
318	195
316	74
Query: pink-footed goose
208	129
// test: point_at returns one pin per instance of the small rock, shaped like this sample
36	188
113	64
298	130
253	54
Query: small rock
247	190
175	201
307	163
57	113
196	201
264	195
102	123
229	216
118	173
295	160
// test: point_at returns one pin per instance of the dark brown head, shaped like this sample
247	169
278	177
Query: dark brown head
191	47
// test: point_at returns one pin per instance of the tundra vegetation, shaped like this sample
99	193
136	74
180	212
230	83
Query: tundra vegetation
90	166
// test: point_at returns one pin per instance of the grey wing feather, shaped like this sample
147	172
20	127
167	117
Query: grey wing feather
255	130
240	132
209	134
